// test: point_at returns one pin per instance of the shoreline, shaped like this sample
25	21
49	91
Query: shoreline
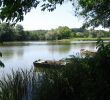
62	40
84	39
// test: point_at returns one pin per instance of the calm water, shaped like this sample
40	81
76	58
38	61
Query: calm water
22	54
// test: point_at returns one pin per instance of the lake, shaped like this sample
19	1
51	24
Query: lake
18	55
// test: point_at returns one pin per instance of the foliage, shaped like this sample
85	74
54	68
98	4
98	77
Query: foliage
16	9
96	12
20	32
61	32
9	32
52	35
64	31
37	34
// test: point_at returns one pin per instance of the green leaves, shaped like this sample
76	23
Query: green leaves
96	12
14	10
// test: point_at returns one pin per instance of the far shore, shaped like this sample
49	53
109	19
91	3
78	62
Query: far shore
61	41
83	39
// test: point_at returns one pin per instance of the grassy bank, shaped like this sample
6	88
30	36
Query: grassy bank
83	39
68	41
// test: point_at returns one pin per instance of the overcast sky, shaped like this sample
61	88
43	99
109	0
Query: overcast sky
62	16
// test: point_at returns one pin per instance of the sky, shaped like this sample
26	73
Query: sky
62	16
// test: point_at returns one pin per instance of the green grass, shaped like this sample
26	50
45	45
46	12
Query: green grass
83	39
68	41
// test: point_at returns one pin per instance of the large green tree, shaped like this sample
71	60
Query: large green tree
63	31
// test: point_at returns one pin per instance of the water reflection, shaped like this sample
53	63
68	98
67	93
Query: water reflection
15	44
87	46
61	49
12	52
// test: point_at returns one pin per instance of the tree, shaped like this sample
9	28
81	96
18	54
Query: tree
51	35
19	28
14	10
63	31
96	12
20	32
7	32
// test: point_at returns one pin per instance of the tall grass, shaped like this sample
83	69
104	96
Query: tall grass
20	85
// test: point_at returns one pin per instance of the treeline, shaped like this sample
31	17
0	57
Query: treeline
9	32
64	32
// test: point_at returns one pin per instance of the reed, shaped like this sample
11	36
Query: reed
20	85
